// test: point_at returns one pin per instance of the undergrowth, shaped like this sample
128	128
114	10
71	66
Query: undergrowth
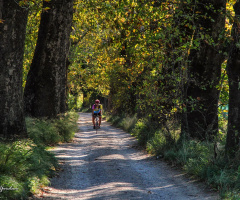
26	165
205	161
51	132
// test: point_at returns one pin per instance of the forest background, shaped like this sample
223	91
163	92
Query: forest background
166	71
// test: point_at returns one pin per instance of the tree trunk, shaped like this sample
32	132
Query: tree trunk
205	71
45	91
233	69
12	37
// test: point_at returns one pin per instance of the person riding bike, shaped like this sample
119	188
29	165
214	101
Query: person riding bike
96	110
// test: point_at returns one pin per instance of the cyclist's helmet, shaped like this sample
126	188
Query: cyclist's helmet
97	101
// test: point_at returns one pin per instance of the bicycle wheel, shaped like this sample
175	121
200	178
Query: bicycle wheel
96	123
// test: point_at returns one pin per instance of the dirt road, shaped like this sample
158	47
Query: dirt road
108	165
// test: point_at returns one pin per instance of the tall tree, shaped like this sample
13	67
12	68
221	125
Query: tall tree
45	91
233	70
13	20
205	69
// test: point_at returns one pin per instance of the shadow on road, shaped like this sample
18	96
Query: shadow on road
105	166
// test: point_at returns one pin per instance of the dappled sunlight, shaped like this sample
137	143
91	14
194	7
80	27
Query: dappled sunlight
110	157
162	187
70	156
138	157
118	189
179	175
109	165
112	187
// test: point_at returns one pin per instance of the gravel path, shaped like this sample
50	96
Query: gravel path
108	165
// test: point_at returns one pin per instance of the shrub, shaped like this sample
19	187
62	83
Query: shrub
144	130
50	132
66	126
24	167
128	123
42	131
158	144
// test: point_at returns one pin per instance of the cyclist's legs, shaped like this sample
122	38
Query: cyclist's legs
100	119
93	119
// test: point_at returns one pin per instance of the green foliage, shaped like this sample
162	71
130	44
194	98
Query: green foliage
128	122
42	131
23	168
115	119
232	195
75	102
66	126
16	187
26	165
123	121
197	159
137	52
157	144
34	16
131	51
143	131
35	183
51	132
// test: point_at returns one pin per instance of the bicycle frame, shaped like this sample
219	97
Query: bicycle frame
96	122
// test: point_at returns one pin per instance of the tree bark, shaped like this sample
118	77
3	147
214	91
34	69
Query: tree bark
45	91
233	70
205	70
12	37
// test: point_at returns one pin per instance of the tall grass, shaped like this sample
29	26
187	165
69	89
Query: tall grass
123	121
26	165
51	132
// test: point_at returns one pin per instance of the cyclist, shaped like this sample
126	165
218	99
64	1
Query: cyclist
96	110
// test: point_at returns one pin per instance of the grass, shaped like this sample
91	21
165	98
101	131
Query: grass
51	132
125	122
26	165
205	161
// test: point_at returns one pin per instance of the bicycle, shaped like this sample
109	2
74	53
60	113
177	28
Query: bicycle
96	123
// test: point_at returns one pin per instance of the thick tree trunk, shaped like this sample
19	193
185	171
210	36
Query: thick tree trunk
45	91
233	69
204	71
12	37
